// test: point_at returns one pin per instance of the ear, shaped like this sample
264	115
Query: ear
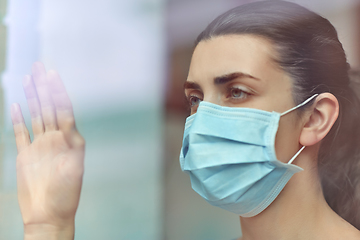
320	119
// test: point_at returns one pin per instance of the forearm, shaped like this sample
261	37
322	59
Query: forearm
49	232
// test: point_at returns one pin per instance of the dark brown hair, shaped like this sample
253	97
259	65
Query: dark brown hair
311	53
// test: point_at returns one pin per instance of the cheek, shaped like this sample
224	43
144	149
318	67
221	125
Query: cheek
287	138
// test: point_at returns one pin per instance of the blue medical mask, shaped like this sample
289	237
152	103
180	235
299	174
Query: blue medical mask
230	156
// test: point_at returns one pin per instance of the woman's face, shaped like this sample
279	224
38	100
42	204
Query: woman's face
239	71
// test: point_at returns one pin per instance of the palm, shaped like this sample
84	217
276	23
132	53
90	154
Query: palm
47	177
50	169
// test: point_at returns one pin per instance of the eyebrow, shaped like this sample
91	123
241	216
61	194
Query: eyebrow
229	77
220	80
191	85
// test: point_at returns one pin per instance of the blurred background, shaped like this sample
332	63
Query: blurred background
124	63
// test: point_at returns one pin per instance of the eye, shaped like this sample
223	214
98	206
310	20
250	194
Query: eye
194	101
238	93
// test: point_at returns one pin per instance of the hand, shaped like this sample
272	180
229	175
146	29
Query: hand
49	169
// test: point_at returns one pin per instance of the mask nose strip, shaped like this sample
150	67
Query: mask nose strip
296	154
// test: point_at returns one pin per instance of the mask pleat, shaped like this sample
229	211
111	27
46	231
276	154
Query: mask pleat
226	152
245	130
242	178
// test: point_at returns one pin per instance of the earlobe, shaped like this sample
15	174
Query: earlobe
322	116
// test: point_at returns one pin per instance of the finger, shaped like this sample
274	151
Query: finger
64	109
34	106
22	136
46	104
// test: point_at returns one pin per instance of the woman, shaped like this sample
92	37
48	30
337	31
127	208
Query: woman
274	138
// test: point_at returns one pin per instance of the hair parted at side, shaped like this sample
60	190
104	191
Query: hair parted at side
310	52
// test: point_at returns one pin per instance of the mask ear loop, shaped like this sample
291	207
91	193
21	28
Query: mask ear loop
300	105
296	154
292	109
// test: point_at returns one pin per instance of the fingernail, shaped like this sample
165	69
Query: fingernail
27	80
52	71
15	108
51	74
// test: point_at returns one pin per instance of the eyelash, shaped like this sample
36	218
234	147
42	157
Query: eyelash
241	90
192	97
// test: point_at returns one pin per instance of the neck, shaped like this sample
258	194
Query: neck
299	212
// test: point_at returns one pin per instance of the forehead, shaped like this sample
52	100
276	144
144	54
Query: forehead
221	55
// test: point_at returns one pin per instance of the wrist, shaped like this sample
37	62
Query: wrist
49	232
